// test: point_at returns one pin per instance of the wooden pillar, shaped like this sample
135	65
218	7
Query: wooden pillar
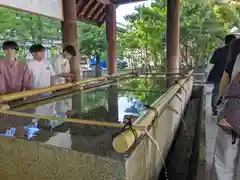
70	34
173	36
111	38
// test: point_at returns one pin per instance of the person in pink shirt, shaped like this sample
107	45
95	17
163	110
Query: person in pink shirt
14	77
14	74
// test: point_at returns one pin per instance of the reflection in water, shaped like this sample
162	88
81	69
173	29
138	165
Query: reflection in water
104	104
46	110
61	140
112	97
135	93
127	106
145	90
10	132
31	130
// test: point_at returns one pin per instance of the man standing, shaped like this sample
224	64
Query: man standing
43	77
43	73
61	64
14	77
217	65
14	74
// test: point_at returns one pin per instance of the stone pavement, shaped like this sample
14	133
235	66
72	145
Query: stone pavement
210	133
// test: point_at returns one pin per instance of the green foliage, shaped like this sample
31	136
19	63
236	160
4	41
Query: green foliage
22	53
144	89
92	39
203	27
104	56
28	28
147	34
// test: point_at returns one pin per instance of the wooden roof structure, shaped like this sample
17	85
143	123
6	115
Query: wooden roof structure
94	11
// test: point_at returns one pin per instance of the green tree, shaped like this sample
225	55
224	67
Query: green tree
92	41
203	27
27	29
147	33
36	29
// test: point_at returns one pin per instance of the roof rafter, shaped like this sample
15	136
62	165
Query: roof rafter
94	11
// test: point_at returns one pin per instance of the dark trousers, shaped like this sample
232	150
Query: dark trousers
215	96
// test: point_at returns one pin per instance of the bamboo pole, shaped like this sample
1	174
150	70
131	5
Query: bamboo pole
158	75
32	104
19	95
23	94
125	140
29	105
36	99
4	110
165	73
4	107
123	77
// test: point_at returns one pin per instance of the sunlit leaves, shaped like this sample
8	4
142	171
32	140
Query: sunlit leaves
203	27
92	39
28	28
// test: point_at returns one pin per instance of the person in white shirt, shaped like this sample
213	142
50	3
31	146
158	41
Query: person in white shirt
61	64
42	71
43	77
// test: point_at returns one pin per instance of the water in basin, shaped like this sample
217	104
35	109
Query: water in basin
110	104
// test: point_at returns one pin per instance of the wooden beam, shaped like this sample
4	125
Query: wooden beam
93	10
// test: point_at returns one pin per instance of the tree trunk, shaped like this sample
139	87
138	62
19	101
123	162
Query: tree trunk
97	68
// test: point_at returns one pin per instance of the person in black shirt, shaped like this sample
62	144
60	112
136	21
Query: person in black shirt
227	74
218	60
226	78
